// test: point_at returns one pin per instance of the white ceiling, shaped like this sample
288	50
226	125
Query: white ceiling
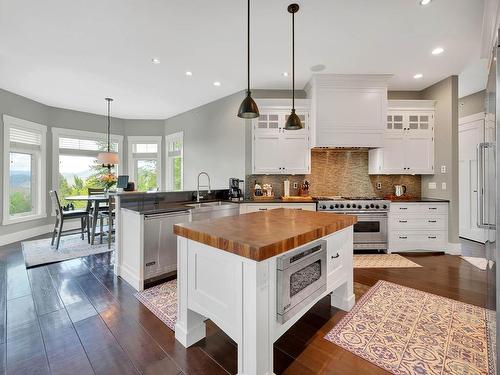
72	54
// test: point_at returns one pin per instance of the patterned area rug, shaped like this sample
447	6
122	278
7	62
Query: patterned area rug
161	300
40	252
481	263
407	331
383	261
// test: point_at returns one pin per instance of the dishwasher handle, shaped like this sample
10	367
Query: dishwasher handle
166	214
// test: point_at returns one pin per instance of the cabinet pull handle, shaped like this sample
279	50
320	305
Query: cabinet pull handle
403	237
335	256
432	221
431	237
262	209
432	208
403	221
403	208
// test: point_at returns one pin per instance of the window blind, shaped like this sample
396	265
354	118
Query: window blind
85	144
25	137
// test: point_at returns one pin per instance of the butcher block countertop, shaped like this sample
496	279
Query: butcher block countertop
262	235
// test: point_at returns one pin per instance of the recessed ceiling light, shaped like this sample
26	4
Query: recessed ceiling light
216	83
155	61
418	76
284	74
189	74
437	51
425	2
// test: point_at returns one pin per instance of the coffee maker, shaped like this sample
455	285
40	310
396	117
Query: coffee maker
235	193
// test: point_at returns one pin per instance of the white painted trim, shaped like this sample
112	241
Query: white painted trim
62	132
415	105
139	139
168	138
471	118
41	170
454	248
25	234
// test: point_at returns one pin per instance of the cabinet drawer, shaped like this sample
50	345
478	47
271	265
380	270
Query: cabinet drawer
418	207
428	222
418	240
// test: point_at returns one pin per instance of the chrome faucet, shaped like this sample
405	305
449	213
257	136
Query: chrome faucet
198	196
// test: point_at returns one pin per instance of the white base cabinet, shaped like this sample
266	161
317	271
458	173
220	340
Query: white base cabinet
417	226
246	208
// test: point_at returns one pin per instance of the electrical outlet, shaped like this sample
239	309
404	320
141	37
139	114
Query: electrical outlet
295	185
443	186
379	185
443	169
432	186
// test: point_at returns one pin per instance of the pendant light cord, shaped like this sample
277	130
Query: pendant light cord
293	61
109	123
248	46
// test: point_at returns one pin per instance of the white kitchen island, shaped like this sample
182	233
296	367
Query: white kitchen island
228	272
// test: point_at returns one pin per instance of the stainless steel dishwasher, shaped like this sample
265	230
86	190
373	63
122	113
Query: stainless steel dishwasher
160	243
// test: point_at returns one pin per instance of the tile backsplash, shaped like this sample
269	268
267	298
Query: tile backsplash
339	172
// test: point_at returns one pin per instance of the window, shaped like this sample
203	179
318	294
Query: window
175	161
75	161
144	162
25	156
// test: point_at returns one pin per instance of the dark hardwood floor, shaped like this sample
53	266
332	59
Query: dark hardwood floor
76	317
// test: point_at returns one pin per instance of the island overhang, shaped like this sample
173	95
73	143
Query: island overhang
262	235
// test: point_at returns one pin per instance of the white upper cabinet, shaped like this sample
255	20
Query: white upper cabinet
348	110
276	150
408	146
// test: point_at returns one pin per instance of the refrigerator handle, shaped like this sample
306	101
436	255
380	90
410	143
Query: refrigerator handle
480	185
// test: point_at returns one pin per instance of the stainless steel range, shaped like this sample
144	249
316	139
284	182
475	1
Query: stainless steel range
370	232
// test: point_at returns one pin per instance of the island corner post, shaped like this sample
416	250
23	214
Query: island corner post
234	281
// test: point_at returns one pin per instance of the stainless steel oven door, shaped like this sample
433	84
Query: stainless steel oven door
301	277
370	232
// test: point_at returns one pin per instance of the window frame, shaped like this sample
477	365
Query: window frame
134	157
71	133
169	167
38	164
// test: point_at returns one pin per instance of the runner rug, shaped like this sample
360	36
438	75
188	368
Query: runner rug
161	300
383	261
407	331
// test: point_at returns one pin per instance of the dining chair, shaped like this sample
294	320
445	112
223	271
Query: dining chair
62	216
108	215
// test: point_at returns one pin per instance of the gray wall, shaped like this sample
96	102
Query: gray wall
472	104
403	95
445	93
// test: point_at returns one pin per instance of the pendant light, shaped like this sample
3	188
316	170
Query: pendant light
108	158
293	122
248	107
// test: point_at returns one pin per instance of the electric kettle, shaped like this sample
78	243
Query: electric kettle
399	190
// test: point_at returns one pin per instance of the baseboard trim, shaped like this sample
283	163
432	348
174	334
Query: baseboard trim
454	248
33	232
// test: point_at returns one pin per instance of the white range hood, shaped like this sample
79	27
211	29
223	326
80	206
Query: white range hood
348	110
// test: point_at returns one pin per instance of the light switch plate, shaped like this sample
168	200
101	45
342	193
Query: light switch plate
443	185
443	169
432	186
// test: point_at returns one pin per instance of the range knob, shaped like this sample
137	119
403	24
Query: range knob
359	206
385	206
348	205
377	206
337	205
323	207
367	206
371	205
331	207
341	206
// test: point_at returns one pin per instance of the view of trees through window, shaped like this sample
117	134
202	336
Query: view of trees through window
20	184
146	175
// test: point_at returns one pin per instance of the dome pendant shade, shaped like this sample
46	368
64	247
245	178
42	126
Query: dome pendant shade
248	108
293	122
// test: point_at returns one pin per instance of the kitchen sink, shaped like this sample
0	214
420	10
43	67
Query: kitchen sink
212	210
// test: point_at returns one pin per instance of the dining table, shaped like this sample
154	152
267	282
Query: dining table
96	201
